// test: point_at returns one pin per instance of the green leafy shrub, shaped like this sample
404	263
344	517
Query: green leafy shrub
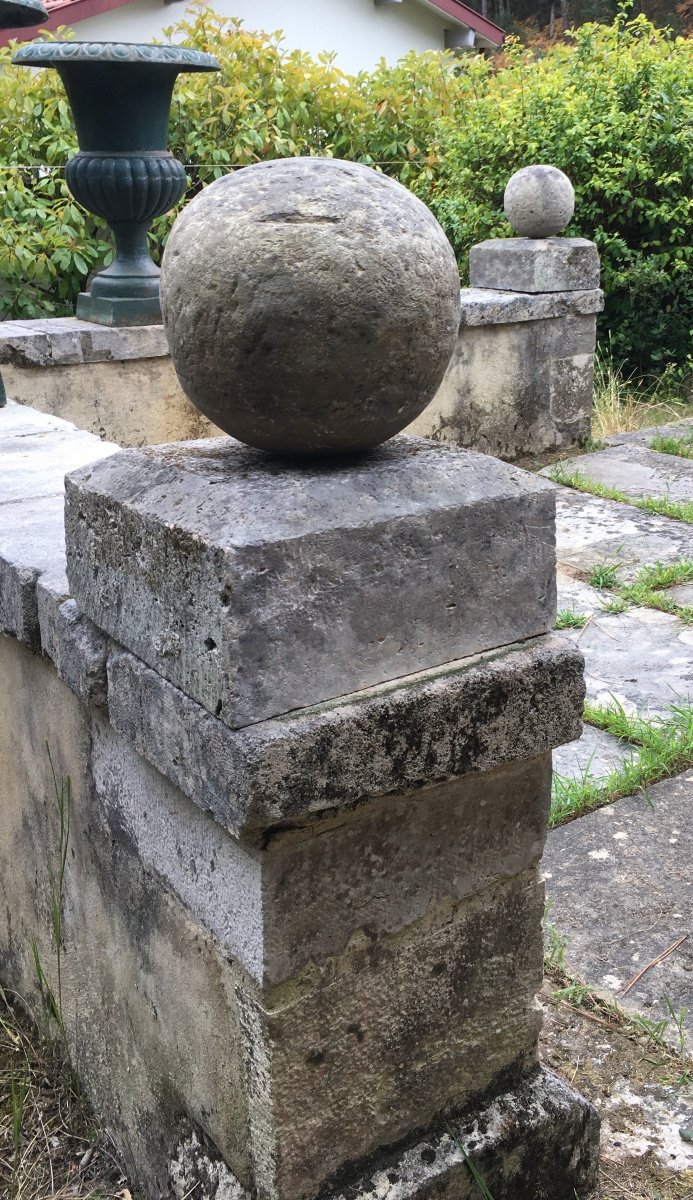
613	108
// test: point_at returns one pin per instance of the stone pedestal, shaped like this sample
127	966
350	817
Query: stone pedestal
344	677
521	377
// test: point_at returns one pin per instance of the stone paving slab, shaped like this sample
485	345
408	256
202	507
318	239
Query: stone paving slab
596	753
643	437
630	863
641	658
636	471
590	531
578	597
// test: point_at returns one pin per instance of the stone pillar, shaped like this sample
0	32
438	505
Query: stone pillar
344	665
521	377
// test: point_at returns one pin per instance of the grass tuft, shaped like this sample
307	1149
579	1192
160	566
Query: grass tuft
49	1145
663	745
624	405
605	576
679	447
567	618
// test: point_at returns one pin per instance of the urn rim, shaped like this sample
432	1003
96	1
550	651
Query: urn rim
21	14
50	53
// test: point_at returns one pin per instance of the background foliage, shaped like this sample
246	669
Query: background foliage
611	105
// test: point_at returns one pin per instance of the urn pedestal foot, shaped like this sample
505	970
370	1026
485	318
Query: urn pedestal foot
121	311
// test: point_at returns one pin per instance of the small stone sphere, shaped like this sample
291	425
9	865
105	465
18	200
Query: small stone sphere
539	201
311	305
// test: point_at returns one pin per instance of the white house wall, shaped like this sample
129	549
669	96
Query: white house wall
359	32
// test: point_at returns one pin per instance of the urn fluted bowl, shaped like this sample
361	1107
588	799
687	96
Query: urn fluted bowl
120	94
311	305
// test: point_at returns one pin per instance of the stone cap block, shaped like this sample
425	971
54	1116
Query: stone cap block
67	341
475	715
484	306
258	587
535	265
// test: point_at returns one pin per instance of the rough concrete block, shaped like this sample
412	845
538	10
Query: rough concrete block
536	1140
259	587
475	715
535	265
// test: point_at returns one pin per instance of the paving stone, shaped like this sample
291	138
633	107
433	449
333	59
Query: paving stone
631	863
682	593
590	531
596	753
577	596
641	658
636	471
16	420
643	437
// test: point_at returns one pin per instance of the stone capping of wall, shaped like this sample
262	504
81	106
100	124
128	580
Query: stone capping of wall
65	341
484	306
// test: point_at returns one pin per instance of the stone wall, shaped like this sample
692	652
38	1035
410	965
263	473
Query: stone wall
519	383
118	383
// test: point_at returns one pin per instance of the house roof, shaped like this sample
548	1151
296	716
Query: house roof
462	14
68	12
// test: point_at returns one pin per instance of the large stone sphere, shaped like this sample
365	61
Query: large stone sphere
311	305
539	201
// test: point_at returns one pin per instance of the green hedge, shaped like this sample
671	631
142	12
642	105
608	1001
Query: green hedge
613	108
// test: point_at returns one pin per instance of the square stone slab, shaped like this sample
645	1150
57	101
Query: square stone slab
258	586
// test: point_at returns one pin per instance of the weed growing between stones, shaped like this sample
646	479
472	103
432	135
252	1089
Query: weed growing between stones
663	746
678	510
605	576
648	589
680	447
567	618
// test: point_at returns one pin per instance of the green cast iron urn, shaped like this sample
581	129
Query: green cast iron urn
120	94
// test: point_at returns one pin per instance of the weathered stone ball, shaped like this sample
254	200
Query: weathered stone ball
539	201
311	305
